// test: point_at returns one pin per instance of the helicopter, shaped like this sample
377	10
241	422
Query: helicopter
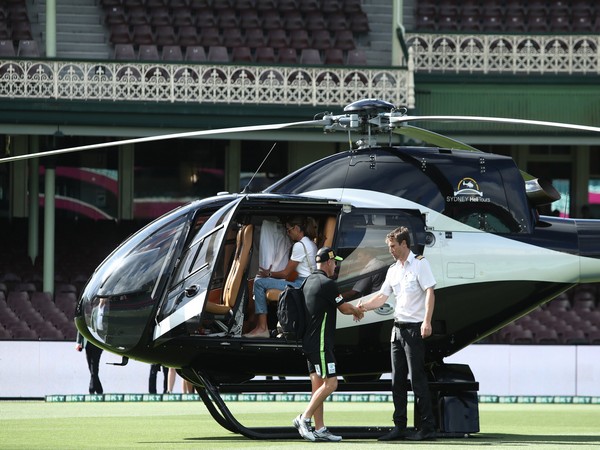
179	291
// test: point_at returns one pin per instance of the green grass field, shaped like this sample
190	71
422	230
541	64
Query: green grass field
182	425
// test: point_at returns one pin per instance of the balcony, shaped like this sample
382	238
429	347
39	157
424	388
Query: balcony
505	54
209	83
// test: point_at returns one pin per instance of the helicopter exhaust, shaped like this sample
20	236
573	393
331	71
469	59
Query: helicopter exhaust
541	192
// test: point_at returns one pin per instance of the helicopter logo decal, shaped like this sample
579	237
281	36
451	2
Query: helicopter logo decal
468	191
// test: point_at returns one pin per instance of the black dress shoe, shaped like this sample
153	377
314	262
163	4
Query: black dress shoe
395	434
422	435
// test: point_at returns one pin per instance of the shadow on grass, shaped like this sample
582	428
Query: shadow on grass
515	439
476	439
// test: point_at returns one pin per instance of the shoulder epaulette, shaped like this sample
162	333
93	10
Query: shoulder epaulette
420	257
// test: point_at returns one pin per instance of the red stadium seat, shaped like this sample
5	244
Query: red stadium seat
255	37
265	55
250	19
293	20
344	39
277	38
217	53
299	39
160	16
310	56
359	22
28	49
334	57
232	37
321	40
356	57
287	56
195	54
165	35
241	54
148	52
188	36
210	36
172	53
182	17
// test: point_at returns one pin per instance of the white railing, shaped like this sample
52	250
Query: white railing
202	83
505	54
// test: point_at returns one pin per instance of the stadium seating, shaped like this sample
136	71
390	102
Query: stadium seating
511	16
244	23
571	318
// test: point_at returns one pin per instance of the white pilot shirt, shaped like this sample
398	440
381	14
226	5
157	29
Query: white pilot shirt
409	284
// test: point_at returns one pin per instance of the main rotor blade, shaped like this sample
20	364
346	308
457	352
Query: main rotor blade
187	134
542	123
430	137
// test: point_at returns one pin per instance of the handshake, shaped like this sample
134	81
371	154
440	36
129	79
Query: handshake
359	311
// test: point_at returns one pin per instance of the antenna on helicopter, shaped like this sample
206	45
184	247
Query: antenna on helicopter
246	189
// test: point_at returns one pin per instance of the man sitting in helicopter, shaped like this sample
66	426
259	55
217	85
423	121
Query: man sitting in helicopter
303	231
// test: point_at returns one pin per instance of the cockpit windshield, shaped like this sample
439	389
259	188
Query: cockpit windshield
119	299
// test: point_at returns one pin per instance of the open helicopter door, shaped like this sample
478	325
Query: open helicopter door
188	291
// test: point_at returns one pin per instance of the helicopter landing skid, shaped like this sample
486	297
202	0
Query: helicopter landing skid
210	395
223	416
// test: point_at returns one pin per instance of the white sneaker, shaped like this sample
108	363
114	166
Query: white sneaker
304	427
325	435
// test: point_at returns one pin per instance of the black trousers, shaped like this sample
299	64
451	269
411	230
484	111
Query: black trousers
92	354
154	369
408	354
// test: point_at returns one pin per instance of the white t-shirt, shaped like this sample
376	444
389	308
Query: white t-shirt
274	246
300	255
409	284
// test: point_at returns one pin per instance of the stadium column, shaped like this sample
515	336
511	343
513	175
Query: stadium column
233	166
581	178
126	182
34	201
49	225
51	28
18	177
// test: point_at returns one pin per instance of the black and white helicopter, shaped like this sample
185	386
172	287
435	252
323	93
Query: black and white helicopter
179	291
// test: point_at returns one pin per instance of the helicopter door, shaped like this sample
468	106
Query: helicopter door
189	287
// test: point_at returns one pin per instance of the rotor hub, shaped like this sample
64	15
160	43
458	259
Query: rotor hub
367	117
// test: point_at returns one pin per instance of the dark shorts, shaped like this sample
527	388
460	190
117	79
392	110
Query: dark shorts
322	363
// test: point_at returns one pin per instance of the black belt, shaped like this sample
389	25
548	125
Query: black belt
403	325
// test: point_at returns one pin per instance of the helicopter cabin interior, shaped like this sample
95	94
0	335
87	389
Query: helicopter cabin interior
257	235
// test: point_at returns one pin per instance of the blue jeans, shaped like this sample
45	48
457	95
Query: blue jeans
261	285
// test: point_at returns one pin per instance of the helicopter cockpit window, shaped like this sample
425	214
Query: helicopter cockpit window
361	242
117	308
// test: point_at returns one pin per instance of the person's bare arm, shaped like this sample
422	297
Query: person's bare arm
374	303
426	329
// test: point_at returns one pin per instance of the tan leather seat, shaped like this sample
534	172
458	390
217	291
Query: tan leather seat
273	294
236	274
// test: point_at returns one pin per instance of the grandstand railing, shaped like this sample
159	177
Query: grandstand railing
202	83
505	54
